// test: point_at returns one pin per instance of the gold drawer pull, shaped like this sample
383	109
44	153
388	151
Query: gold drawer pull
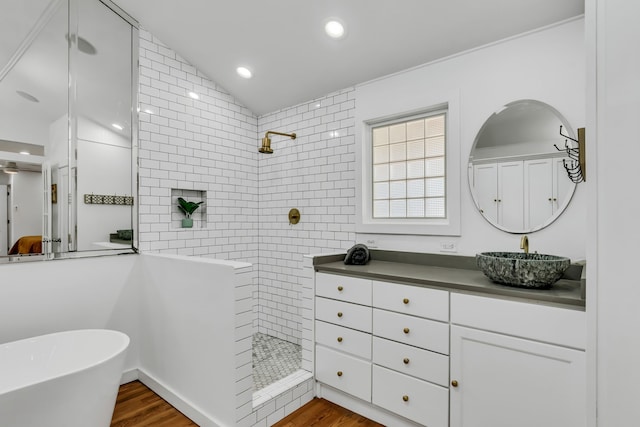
339	314
405	398
406	330
339	373
454	383
406	300
339	339
340	288
406	360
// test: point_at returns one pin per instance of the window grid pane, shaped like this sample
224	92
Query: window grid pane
409	168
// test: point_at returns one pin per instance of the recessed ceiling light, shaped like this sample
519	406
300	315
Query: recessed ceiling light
25	153
244	72
334	29
194	95
117	126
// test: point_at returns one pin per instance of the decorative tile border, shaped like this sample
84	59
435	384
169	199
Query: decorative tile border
99	199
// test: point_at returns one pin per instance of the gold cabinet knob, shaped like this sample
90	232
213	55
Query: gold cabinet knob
339	373
406	360
406	300
454	383
340	288
406	330
339	314
339	339
405	398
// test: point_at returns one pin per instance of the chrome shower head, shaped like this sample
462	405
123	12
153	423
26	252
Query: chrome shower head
266	141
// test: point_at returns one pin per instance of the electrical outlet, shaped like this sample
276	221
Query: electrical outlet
448	247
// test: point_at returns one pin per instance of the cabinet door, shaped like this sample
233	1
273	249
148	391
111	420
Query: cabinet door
538	190
562	185
485	185
510	197
504	382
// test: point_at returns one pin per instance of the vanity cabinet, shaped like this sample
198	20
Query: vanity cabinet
385	343
516	364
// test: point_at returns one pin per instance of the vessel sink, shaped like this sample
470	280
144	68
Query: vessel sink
522	269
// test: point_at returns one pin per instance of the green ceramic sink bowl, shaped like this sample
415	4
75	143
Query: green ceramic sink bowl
521	269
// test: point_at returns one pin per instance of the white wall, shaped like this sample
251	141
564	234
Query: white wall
547	65
37	298
612	281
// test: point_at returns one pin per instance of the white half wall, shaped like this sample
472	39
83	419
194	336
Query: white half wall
38	298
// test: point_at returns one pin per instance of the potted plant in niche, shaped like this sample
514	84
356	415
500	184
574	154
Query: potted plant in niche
187	208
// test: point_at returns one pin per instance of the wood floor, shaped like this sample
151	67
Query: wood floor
322	413
138	406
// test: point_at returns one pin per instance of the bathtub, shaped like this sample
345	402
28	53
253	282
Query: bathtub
64	379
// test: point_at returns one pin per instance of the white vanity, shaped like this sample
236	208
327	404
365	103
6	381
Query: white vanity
408	343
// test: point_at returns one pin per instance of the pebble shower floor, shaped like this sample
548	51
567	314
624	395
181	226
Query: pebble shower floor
273	359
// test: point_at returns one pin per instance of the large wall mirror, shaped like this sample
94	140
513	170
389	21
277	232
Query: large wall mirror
516	173
68	146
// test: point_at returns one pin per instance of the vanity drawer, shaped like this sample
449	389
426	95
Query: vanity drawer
344	339
414	331
344	314
344	288
423	364
413	300
344	372
419	401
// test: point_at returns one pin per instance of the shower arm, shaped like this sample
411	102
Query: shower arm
290	135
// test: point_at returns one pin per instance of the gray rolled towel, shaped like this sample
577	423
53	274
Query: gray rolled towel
357	255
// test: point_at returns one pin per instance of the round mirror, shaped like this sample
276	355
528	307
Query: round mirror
516	172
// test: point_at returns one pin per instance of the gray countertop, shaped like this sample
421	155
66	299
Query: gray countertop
453	273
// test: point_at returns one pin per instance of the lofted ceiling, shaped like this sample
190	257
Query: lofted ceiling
293	61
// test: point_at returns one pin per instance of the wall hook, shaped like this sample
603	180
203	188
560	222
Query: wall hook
576	166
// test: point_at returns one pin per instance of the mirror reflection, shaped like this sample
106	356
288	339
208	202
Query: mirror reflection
516	175
66	128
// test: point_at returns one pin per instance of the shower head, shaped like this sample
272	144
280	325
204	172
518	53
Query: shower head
266	141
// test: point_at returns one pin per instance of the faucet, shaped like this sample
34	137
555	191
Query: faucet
524	244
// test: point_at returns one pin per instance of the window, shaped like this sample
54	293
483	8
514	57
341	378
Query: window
408	168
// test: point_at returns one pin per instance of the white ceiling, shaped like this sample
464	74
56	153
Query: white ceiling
293	61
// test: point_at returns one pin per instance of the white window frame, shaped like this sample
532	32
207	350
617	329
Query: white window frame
374	106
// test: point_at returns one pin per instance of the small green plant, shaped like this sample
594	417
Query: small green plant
188	208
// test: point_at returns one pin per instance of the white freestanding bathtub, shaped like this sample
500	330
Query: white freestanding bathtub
64	379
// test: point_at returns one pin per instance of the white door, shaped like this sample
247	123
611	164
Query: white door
538	190
4	226
510	198
502	381
485	182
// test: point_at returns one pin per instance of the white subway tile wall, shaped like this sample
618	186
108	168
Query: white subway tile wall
315	174
211	145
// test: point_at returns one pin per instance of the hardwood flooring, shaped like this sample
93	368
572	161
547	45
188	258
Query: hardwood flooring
138	406
322	413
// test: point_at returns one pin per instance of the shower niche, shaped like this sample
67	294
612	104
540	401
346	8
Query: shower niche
199	215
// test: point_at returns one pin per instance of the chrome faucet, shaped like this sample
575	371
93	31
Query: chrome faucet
524	244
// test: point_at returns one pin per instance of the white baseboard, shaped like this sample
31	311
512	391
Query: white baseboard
178	402
128	376
363	408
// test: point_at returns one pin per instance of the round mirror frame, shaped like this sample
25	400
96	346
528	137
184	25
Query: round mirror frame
566	128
